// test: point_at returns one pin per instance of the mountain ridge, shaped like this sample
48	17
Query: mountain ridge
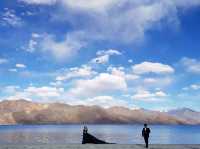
28	112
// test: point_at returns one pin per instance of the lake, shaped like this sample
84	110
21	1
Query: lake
121	134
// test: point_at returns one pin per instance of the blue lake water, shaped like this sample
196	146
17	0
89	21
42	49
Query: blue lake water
121	134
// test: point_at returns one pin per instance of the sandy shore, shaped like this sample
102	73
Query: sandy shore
114	146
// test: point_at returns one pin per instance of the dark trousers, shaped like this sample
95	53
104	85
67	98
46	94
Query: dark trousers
146	139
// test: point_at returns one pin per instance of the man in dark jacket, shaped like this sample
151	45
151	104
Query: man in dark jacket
145	133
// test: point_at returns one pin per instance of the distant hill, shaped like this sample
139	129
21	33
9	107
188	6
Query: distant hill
26	112
186	114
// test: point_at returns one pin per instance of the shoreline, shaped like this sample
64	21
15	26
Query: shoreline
132	124
99	146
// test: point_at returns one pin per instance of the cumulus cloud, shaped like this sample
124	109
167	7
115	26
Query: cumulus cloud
150	67
20	66
130	61
90	5
35	35
9	18
76	72
148	96
195	86
39	2
56	83
44	92
114	20
32	92
106	20
76	4
12	70
109	52
102	101
103	83
101	59
192	87
191	65
3	60
62	50
31	45
158	81
12	89
104	56
17	67
18	96
120	71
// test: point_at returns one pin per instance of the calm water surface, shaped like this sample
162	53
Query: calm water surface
121	134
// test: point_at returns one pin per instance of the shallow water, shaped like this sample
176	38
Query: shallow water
121	134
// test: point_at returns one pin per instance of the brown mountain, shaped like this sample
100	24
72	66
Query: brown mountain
186	114
26	112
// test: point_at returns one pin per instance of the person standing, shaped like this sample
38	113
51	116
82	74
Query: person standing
85	129
85	133
145	133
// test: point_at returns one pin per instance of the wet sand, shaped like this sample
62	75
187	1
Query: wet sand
91	146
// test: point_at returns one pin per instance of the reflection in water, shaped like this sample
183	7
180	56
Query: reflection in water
122	134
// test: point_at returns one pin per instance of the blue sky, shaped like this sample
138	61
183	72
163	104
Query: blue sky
137	54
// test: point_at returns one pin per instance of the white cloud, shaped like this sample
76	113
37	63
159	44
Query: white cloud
90	5
20	66
14	92
150	67
104	82
39	2
10	18
83	71
104	56
119	20
62	50
150	80
56	83
186	3
109	52
35	35
192	87
158	81
145	95
32	93
44	92
102	101
130	61
101	59
31	45
160	94
17	96
12	70
96	5
17	66
131	77
115	21
195	86
119	71
3	61
191	65
76	4
12	89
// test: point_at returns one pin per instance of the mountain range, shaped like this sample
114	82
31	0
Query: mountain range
27	112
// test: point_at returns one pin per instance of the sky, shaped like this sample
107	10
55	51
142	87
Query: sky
129	53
